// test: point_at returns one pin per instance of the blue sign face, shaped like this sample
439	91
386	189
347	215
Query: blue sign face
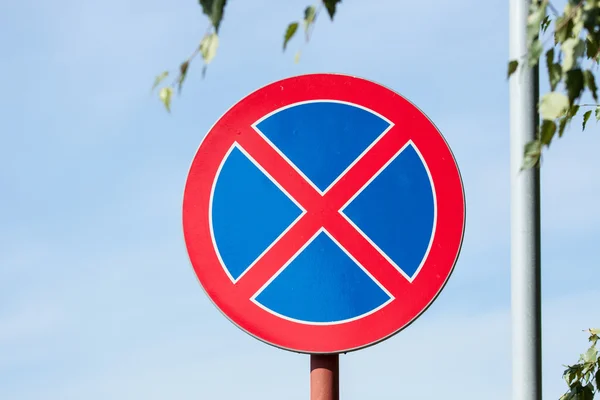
394	210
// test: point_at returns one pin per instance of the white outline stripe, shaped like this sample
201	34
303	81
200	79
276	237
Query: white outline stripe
308	242
359	191
216	247
340	176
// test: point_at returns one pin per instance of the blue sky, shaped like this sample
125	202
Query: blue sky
97	298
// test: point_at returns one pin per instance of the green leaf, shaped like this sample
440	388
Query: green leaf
208	47
553	105
550	57
597	377
547	131
590	82
165	96
578	21
595	331
564	27
535	51
183	68
512	67
587	393
570	377
537	12
310	13
573	110
533	151
573	49
546	23
289	33
571	373
297	57
567	396
554	69
214	10
590	355
586	116
330	5
576	387
591	48
597	113
575	84
562	125
555	75
159	79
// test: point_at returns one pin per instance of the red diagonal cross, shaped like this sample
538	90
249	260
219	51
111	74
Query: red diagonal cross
322	211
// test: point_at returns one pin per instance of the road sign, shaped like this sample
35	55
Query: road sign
323	213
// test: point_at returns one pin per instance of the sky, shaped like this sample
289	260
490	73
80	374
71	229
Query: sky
97	296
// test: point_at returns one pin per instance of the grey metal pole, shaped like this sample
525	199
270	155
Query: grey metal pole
525	218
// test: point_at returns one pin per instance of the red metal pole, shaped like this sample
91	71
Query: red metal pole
324	377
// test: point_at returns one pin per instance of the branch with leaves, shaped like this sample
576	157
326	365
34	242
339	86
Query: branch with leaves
572	51
207	49
214	10
310	16
583	378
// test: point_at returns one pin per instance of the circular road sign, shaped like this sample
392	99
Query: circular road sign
323	213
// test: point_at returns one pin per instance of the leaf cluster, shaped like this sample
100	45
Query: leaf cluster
583	378
572	50
207	48
310	16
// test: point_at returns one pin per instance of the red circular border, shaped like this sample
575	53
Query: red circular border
375	327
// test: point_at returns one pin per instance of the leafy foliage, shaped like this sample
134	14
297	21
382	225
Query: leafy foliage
207	49
570	40
572	55
583	378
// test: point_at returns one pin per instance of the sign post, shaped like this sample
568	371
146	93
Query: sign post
525	219
324	377
323	214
